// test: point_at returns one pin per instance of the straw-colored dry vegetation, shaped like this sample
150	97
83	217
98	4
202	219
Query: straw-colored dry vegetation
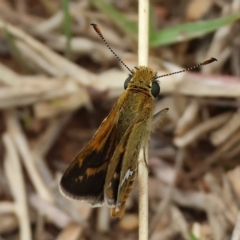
58	81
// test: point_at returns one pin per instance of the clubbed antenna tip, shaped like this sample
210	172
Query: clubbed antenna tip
97	29
208	61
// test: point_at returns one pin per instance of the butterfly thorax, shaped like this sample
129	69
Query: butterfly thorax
137	96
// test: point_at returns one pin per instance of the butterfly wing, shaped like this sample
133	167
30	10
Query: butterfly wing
84	179
123	165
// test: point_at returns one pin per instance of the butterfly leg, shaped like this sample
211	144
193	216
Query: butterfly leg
145	147
158	118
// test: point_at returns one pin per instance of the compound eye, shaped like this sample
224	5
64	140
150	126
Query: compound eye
155	89
127	81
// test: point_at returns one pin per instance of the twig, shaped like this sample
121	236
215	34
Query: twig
8	223
7	207
71	232
188	118
65	104
8	76
215	156
193	84
236	230
179	222
103	219
143	21
56	215
225	132
30	90
16	181
39	227
202	128
163	206
64	66
219	46
67	27
233	152
165	234
81	45
49	6
45	141
17	134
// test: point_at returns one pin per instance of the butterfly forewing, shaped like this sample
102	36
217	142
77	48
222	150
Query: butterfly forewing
85	177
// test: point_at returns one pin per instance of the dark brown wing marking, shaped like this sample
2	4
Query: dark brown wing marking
84	179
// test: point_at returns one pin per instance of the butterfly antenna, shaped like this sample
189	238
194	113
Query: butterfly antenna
188	69
97	29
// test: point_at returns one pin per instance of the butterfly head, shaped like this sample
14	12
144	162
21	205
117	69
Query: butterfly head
144	78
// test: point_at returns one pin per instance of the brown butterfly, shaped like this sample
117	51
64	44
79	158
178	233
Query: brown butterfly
105	169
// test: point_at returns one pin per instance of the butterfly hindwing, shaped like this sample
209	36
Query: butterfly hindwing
123	166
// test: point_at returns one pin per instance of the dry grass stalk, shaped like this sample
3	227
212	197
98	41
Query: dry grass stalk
8	223
179	222
103	219
222	134
208	86
232	178
218	45
46	56
214	209
188	118
62	92
52	212
14	174
45	141
129	222
230	200
49	25
72	232
233	152
27	19
220	220
143	19
201	129
197	9
20	140
40	223
236	230
165	234
163	206
7	207
215	156
30	90
60	105
80	45
8	76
